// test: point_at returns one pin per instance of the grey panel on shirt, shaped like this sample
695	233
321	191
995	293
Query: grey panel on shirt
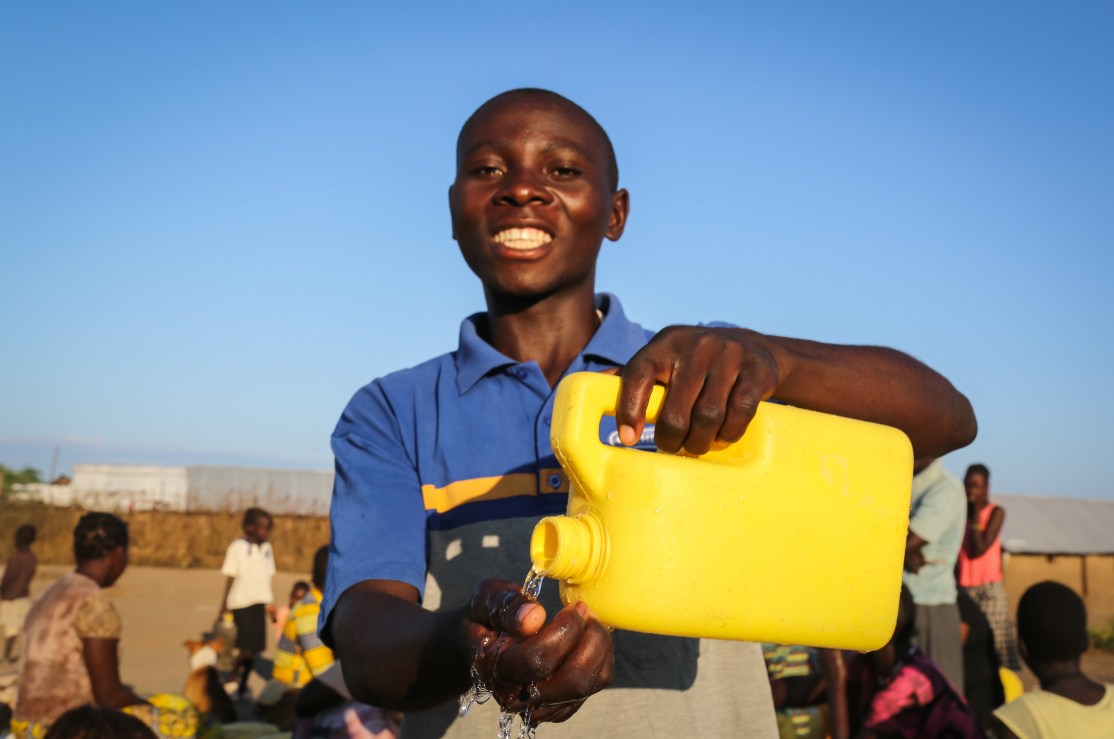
663	684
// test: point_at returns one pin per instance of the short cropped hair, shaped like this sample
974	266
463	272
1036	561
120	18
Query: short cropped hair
25	535
97	534
612	162
320	566
252	516
978	469
1052	621
88	722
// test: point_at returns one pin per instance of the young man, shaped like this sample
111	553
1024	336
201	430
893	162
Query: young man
937	512
980	561
443	469
249	566
1052	636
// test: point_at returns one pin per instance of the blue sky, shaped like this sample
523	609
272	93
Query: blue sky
217	221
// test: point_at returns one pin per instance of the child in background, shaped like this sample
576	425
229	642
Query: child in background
904	694
1052	636
15	593
249	566
283	613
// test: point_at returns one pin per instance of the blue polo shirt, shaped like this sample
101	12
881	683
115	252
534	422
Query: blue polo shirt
442	472
461	439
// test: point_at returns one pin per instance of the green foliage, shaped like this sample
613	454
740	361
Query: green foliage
12	477
1103	638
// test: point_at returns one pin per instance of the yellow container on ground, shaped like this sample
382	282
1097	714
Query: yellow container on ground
794	535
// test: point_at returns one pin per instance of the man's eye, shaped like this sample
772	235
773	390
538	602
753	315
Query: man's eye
487	171
566	172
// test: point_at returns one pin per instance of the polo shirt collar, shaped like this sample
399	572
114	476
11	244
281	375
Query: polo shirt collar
615	341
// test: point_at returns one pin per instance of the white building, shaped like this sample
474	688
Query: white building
126	487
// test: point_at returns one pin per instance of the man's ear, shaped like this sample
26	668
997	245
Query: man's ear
620	209
452	214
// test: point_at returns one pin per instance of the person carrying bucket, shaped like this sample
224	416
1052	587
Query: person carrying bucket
444	469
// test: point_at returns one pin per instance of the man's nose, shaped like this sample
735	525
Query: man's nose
522	188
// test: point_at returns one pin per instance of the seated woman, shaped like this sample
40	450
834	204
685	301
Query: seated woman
72	632
72	636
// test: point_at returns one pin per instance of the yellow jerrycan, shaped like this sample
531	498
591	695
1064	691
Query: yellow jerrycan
795	534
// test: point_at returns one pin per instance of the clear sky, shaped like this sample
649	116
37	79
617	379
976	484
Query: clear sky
218	221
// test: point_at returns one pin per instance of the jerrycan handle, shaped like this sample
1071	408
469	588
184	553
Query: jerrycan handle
583	398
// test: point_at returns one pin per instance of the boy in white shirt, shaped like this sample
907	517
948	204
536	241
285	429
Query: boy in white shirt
249	566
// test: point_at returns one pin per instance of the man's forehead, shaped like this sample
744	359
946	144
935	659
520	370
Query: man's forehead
541	143
545	123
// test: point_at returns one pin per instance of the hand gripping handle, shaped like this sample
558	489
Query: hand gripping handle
583	398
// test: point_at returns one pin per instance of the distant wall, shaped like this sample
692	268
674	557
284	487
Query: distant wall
1092	576
165	538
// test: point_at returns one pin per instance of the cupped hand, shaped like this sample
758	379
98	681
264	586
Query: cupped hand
716	378
525	662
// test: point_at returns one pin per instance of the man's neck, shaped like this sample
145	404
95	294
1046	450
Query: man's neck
551	331
1067	680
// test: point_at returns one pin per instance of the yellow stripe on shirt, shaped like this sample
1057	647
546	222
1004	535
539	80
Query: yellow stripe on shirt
491	488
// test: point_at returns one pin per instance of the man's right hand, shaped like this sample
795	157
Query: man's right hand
505	636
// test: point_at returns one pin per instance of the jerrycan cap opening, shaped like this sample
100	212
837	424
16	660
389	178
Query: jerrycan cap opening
570	549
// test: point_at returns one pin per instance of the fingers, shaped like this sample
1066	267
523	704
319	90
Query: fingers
755	383
638	378
716	378
542	655
588	669
500	606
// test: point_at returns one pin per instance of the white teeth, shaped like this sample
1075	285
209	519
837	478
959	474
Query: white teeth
522	238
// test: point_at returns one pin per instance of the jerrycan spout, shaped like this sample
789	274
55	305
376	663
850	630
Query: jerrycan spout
571	549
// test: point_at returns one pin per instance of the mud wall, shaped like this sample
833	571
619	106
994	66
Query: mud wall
1091	576
164	538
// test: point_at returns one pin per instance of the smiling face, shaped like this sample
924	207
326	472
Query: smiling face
532	203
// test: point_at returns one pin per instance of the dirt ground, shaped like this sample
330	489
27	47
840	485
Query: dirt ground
160	608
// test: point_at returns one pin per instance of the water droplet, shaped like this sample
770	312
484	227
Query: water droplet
611	495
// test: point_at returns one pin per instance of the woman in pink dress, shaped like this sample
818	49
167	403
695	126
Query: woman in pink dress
979	569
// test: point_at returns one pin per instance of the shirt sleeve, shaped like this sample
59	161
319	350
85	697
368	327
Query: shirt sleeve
377	513
96	618
1019	719
315	652
286	662
936	513
231	566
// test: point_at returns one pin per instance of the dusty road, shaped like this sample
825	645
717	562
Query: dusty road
161	608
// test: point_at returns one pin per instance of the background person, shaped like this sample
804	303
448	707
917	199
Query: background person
15	588
73	632
980	562
937	512
300	655
89	722
249	566
903	694
282	613
444	469
1052	635
982	684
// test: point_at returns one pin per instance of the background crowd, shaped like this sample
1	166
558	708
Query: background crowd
953	615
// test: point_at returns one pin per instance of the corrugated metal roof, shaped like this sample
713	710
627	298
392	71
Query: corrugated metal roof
1040	525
